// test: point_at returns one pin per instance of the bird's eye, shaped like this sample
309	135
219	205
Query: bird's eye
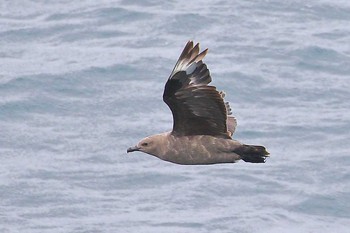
144	144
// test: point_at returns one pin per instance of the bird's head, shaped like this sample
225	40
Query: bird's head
149	145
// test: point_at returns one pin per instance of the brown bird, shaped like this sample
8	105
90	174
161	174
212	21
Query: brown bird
202	125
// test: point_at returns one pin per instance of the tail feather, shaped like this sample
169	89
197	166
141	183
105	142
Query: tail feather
252	154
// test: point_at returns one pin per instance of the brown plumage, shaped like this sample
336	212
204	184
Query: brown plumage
202	121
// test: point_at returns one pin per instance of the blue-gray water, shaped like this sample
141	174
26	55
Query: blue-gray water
80	81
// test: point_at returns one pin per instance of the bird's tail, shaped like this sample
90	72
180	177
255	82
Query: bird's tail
252	154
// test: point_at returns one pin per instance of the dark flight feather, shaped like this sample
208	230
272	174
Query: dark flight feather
198	109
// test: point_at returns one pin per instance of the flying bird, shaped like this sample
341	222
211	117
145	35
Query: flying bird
203	124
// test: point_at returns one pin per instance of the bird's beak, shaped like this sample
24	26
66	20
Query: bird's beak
132	149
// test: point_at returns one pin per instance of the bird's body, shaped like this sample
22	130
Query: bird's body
203	128
196	149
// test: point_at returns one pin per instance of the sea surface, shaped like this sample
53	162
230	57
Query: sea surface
81	81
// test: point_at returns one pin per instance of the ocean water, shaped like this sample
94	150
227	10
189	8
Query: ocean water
81	81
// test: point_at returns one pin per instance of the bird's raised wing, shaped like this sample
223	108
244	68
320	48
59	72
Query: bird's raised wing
197	108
